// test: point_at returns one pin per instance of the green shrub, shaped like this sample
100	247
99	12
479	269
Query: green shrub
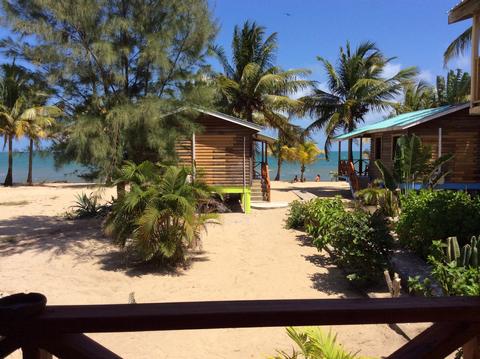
314	343
296	215
454	268
360	242
86	206
158	218
436	215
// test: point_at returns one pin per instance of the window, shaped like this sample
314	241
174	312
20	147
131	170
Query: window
378	148
394	145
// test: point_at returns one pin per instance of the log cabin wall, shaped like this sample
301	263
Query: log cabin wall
219	152
385	154
460	137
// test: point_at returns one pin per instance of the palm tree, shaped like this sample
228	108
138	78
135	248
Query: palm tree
306	153
289	136
455	90
37	125
458	46
251	86
416	96
159	213
19	90
355	87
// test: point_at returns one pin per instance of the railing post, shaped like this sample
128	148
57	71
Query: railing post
471	349
360	163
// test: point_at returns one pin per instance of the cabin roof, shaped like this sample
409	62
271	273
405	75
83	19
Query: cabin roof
463	10
403	121
221	116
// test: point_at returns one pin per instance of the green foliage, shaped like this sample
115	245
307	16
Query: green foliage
356	85
416	96
314	343
305	152
296	215
252	87
412	164
360	242
386	200
119	66
456	90
454	268
158	217
86	206
436	215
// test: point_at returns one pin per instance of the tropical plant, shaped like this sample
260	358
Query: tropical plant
412	165
288	136
416	96
22	111
158	217
455	269
305	153
458	46
297	214
359	242
386	200
455	90
314	343
252	87
87	206
355	86
428	216
119	67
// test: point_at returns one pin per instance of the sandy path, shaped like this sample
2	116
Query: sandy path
247	257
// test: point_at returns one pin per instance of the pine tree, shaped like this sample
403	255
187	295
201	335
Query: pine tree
118	67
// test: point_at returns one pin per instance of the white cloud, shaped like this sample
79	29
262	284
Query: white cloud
391	69
426	75
461	62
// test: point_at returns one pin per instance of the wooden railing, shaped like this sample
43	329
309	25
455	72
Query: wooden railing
39	330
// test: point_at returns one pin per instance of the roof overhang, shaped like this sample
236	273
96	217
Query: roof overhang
222	116
463	10
367	132
265	138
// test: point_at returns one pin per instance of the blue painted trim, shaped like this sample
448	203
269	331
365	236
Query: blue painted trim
449	185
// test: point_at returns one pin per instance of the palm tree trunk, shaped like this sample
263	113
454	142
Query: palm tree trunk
30	163
279	168
9	177
302	173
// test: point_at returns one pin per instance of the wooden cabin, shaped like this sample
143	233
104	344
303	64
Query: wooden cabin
229	154
447	130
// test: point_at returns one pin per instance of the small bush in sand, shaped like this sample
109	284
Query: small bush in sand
297	215
358	241
158	217
86	206
314	343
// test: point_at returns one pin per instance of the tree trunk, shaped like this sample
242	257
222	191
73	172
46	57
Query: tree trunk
9	177
120	190
30	163
350	150
279	168
302	172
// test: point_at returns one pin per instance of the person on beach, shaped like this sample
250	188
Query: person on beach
295	179
317	179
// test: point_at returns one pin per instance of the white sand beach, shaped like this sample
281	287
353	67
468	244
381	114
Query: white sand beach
246	257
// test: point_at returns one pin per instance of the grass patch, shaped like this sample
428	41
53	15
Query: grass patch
14	203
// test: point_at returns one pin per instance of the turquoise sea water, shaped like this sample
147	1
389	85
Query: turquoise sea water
44	168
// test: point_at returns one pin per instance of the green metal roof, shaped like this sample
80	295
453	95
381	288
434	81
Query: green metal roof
402	121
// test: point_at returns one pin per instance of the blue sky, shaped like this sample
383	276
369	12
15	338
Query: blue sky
414	31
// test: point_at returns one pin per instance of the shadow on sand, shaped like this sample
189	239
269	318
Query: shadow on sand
82	239
330	279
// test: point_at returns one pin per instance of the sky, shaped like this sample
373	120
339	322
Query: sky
416	32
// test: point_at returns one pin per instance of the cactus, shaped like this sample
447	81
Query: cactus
467	256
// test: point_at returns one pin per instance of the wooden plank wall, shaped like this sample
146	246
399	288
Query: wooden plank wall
219	152
460	136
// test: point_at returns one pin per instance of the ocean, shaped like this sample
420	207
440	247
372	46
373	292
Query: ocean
44	168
